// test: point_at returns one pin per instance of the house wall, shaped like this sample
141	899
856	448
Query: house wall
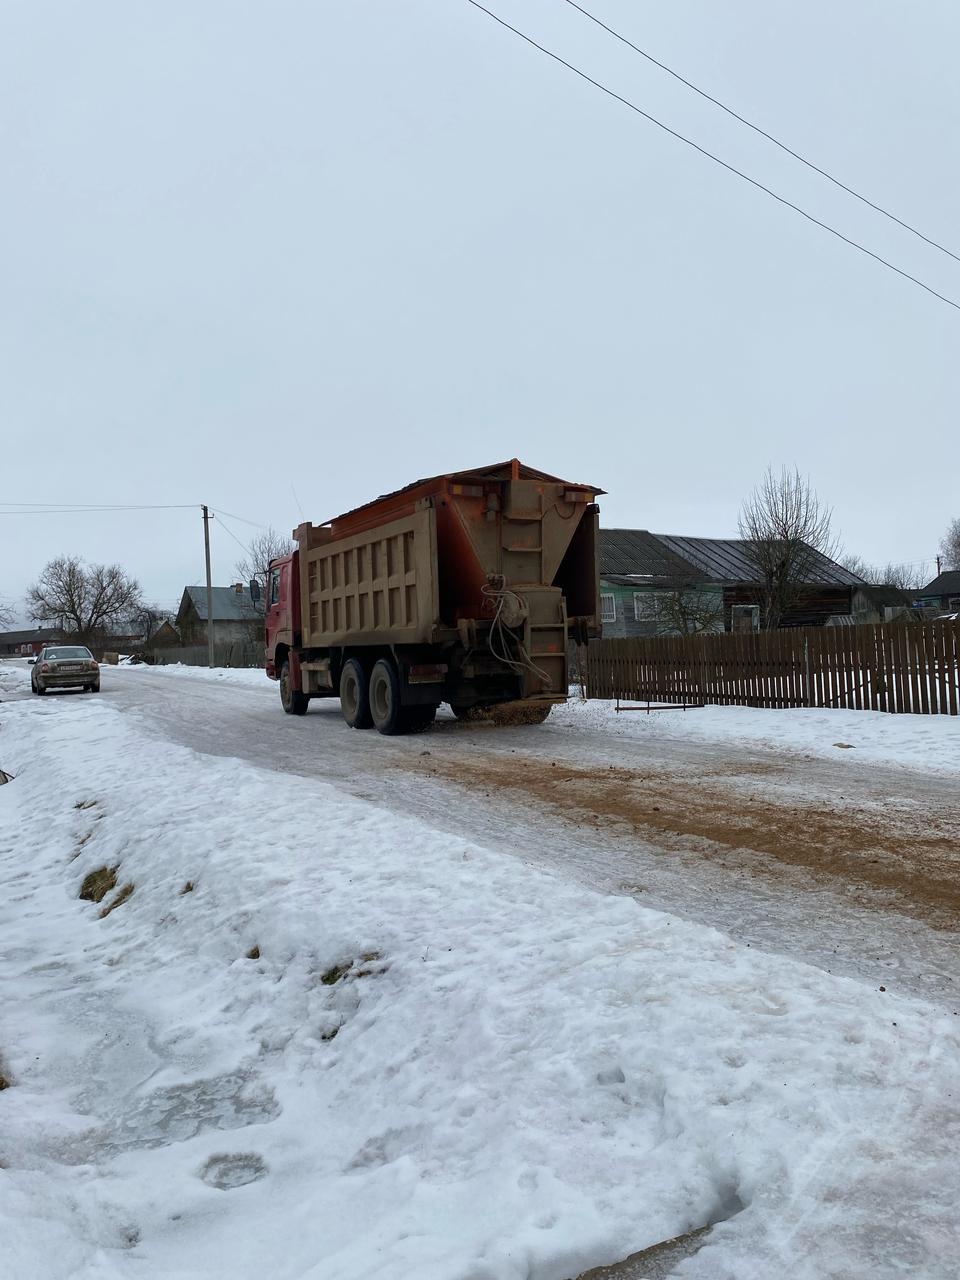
814	607
626	623
193	631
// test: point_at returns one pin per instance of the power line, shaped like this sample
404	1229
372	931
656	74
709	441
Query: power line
242	519
49	509
226	528
710	156
763	133
42	509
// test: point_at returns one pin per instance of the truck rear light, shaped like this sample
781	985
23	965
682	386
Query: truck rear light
427	673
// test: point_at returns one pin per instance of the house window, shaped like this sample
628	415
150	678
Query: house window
644	606
954	603
745	618
608	606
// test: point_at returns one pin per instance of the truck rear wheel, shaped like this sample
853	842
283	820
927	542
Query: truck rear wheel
384	698
354	700
292	700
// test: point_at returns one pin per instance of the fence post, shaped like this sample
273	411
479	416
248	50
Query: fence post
808	700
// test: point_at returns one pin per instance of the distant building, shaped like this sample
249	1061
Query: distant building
234	615
165	636
878	603
942	593
29	642
653	583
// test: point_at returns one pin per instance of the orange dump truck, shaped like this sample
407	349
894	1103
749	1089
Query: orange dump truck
466	588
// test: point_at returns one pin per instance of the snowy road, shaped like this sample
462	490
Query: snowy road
852	866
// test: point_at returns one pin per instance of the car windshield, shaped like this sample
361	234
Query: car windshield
68	651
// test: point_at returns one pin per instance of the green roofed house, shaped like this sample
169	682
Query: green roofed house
659	584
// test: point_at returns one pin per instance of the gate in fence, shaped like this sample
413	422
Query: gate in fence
885	667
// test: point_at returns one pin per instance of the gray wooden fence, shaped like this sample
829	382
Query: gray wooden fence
231	653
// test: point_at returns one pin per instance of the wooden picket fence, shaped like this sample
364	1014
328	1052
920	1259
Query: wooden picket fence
888	667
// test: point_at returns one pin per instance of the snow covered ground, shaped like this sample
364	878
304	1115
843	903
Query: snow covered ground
915	741
357	1047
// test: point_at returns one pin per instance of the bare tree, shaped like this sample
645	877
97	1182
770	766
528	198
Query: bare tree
685	611
146	618
83	599
256	563
786	530
950	546
6	615
904	576
856	564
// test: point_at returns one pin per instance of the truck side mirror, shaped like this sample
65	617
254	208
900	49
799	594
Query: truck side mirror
254	590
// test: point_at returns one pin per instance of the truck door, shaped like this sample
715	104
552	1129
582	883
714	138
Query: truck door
274	614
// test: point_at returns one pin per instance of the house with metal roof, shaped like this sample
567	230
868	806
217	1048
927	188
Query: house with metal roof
235	616
942	593
656	584
29	641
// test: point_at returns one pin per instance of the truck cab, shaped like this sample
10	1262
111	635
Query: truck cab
282	608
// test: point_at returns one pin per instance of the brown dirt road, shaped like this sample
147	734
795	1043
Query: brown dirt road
742	817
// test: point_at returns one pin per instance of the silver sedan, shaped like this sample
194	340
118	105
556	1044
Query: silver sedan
65	666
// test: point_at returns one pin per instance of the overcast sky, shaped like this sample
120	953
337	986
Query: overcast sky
284	257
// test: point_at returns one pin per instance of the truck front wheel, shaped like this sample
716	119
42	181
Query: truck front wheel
354	702
292	700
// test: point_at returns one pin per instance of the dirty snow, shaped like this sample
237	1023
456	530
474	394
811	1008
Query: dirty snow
359	1048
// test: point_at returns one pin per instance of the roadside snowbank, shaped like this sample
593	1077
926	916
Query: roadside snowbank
931	743
255	677
355	1047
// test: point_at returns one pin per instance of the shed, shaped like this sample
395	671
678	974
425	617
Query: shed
234	615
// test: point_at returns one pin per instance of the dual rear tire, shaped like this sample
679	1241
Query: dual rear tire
376	703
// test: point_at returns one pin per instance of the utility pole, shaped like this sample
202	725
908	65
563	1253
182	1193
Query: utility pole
206	553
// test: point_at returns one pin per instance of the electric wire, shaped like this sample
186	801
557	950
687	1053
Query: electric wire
878	208
226	528
59	509
754	182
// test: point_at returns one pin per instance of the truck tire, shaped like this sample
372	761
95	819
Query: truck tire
384	699
293	701
354	699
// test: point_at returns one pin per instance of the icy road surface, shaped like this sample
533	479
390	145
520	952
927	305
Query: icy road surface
755	822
